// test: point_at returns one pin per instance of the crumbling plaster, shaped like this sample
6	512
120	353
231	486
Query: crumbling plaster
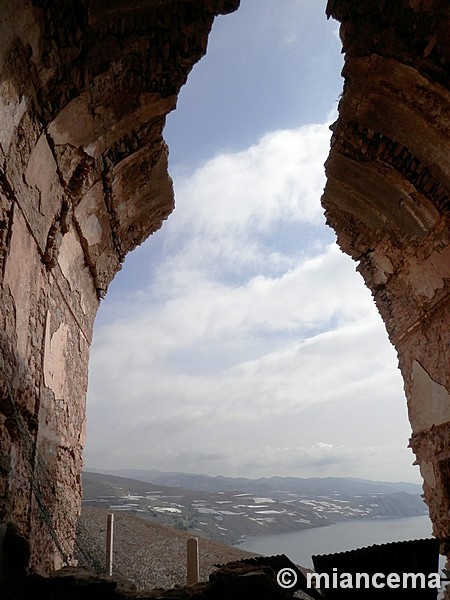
85	87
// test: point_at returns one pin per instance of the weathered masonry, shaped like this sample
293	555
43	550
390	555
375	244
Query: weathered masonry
387	197
85	88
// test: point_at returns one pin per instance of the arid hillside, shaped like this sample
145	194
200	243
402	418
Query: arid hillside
147	554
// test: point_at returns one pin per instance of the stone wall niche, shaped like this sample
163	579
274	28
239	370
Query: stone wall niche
85	89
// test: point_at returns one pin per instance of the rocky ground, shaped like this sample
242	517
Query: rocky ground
148	554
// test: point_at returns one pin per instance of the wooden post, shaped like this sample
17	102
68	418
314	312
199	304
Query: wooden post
192	561
109	544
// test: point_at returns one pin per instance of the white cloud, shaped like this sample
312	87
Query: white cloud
233	212
277	179
251	323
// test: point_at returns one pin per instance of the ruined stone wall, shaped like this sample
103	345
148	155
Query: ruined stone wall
387	197
85	87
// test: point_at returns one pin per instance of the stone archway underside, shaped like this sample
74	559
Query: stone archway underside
85	88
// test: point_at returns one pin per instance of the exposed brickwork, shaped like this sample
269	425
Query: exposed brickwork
388	198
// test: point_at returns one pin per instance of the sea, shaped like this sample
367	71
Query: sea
299	546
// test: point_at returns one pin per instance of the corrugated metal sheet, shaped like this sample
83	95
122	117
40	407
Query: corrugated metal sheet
413	556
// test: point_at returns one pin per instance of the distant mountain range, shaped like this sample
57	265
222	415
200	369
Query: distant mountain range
309	486
227	509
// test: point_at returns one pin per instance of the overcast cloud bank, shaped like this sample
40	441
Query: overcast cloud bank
250	346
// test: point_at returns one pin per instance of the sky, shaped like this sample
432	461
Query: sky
239	340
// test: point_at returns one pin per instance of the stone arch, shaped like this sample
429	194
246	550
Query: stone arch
85	89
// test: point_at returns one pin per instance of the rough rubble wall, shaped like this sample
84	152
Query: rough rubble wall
85	87
387	197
